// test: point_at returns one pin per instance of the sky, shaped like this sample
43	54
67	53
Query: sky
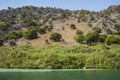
92	5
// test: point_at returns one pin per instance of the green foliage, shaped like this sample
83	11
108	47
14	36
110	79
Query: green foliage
79	32
112	40
117	27
4	26
55	37
28	22
73	26
31	33
92	37
96	29
102	38
59	57
79	38
12	35
41	30
49	27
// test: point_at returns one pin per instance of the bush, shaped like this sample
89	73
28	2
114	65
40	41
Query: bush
112	40
49	27
55	37
92	37
102	38
4	26
96	29
41	30
79	38
28	22
31	34
79	32
12	35
73	26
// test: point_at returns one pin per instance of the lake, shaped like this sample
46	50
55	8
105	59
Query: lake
59	74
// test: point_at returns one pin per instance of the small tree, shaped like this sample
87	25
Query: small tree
92	37
73	26
31	34
79	38
55	37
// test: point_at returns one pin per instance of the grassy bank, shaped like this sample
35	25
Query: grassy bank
60	57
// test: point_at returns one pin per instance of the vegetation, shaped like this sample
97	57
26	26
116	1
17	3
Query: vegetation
12	35
4	26
55	37
59	57
73	26
92	37
31	33
79	38
112	40
79	32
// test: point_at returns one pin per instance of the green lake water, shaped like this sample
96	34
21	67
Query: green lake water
64	74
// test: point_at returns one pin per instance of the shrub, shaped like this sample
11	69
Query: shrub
92	37
4	26
101	38
41	30
12	35
79	32
79	38
112	40
73	26
96	29
31	34
49	27
28	22
55	37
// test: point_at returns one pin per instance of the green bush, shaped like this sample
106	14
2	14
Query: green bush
79	38
28	22
112	40
49	27
92	37
4	26
101	38
55	37
79	32
73	26
41	30
31	33
59	57
12	35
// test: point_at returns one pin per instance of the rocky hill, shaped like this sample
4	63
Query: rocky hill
16	22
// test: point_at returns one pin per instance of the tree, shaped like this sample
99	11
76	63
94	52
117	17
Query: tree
79	38
31	34
55	37
73	26
92	37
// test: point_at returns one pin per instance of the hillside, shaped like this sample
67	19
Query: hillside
51	20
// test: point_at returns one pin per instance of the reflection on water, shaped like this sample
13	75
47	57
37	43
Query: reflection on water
78	74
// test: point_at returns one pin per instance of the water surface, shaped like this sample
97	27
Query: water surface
64	74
